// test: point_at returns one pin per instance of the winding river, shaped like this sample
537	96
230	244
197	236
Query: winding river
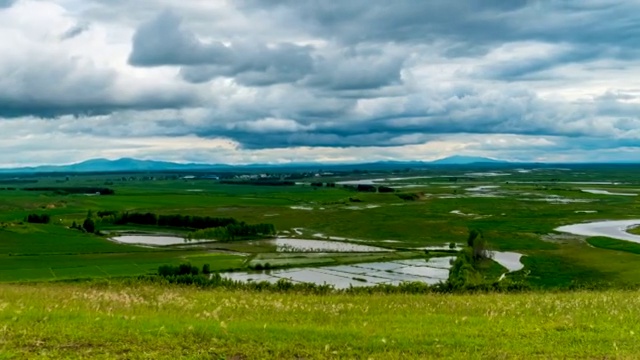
615	229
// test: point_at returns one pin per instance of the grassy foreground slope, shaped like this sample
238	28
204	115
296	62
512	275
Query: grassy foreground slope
148	321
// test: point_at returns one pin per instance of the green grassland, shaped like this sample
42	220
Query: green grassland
613	244
520	217
136	321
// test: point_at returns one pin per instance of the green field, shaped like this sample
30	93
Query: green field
53	321
47	312
519	214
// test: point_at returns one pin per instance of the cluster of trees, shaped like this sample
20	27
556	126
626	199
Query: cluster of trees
217	228
184	221
369	188
73	190
478	245
366	188
465	271
38	218
88	225
260	267
183	269
234	231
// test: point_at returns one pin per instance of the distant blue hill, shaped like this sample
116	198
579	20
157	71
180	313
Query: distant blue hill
466	160
104	165
129	164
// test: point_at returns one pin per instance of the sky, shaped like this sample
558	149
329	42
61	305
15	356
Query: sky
267	81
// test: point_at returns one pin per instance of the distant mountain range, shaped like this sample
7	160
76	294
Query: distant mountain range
104	165
467	160
129	164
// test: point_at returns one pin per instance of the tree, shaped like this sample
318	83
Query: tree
89	226
38	219
478	244
206	269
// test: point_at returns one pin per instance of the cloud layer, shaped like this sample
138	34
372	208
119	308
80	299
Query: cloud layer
279	81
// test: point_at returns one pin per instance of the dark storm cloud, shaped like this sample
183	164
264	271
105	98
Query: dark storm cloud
51	107
163	41
254	65
71	87
468	21
401	21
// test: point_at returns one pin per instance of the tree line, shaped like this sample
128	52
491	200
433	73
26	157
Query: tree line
206	227
38	218
182	221
73	190
233	232
369	188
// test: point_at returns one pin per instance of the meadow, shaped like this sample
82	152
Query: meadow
141	321
516	209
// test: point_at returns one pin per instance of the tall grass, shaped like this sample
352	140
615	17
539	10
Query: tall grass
141	320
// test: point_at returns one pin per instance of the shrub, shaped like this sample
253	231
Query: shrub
409	196
206	269
187	269
182	269
366	188
89	225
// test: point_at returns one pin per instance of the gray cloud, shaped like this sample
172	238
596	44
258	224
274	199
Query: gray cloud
274	75
165	41
255	65
356	69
